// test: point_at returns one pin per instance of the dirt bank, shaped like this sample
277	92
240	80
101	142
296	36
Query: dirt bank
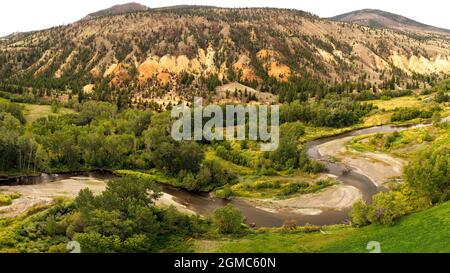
334	198
45	193
378	167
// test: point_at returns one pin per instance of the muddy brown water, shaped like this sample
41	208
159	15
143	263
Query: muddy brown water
201	203
205	204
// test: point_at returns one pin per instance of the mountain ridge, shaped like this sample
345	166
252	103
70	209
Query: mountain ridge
186	51
383	19
117	10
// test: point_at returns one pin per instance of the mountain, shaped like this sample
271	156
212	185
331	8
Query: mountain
382	19
16	35
179	52
118	9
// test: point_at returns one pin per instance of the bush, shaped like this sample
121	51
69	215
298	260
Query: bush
293	188
429	174
6	199
320	184
55	106
213	175
225	192
442	97
289	225
313	166
308	228
59	248
268	185
405	114
97	243
14	109
228	220
387	207
204	181
231	155
358	214
443	86
138	243
305	188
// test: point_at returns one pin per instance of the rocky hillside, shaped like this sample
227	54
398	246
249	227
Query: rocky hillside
382	19
180	51
118	9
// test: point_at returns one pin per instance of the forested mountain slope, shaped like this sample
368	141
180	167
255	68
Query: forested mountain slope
184	51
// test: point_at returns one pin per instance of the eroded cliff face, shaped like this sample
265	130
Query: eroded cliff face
421	64
203	63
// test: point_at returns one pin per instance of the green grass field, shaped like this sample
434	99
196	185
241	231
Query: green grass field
426	231
388	105
34	112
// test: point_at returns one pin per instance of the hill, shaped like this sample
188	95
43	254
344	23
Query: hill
118	9
382	19
175	53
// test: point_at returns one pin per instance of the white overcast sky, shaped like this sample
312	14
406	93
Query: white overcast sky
26	15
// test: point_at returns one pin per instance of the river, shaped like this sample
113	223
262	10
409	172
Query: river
205	204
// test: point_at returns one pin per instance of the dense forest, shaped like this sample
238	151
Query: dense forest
98	136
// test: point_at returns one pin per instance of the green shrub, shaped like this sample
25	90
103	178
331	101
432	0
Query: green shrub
442	97
405	114
231	155
59	248
387	207
97	243
225	192
293	188
429	174
304	187
358	214
14	109
319	185
6	199
268	185
228	220
308	228
313	166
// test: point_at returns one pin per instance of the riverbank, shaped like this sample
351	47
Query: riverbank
378	167
44	192
338	197
418	232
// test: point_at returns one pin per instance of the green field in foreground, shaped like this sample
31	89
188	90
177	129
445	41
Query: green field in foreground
426	231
